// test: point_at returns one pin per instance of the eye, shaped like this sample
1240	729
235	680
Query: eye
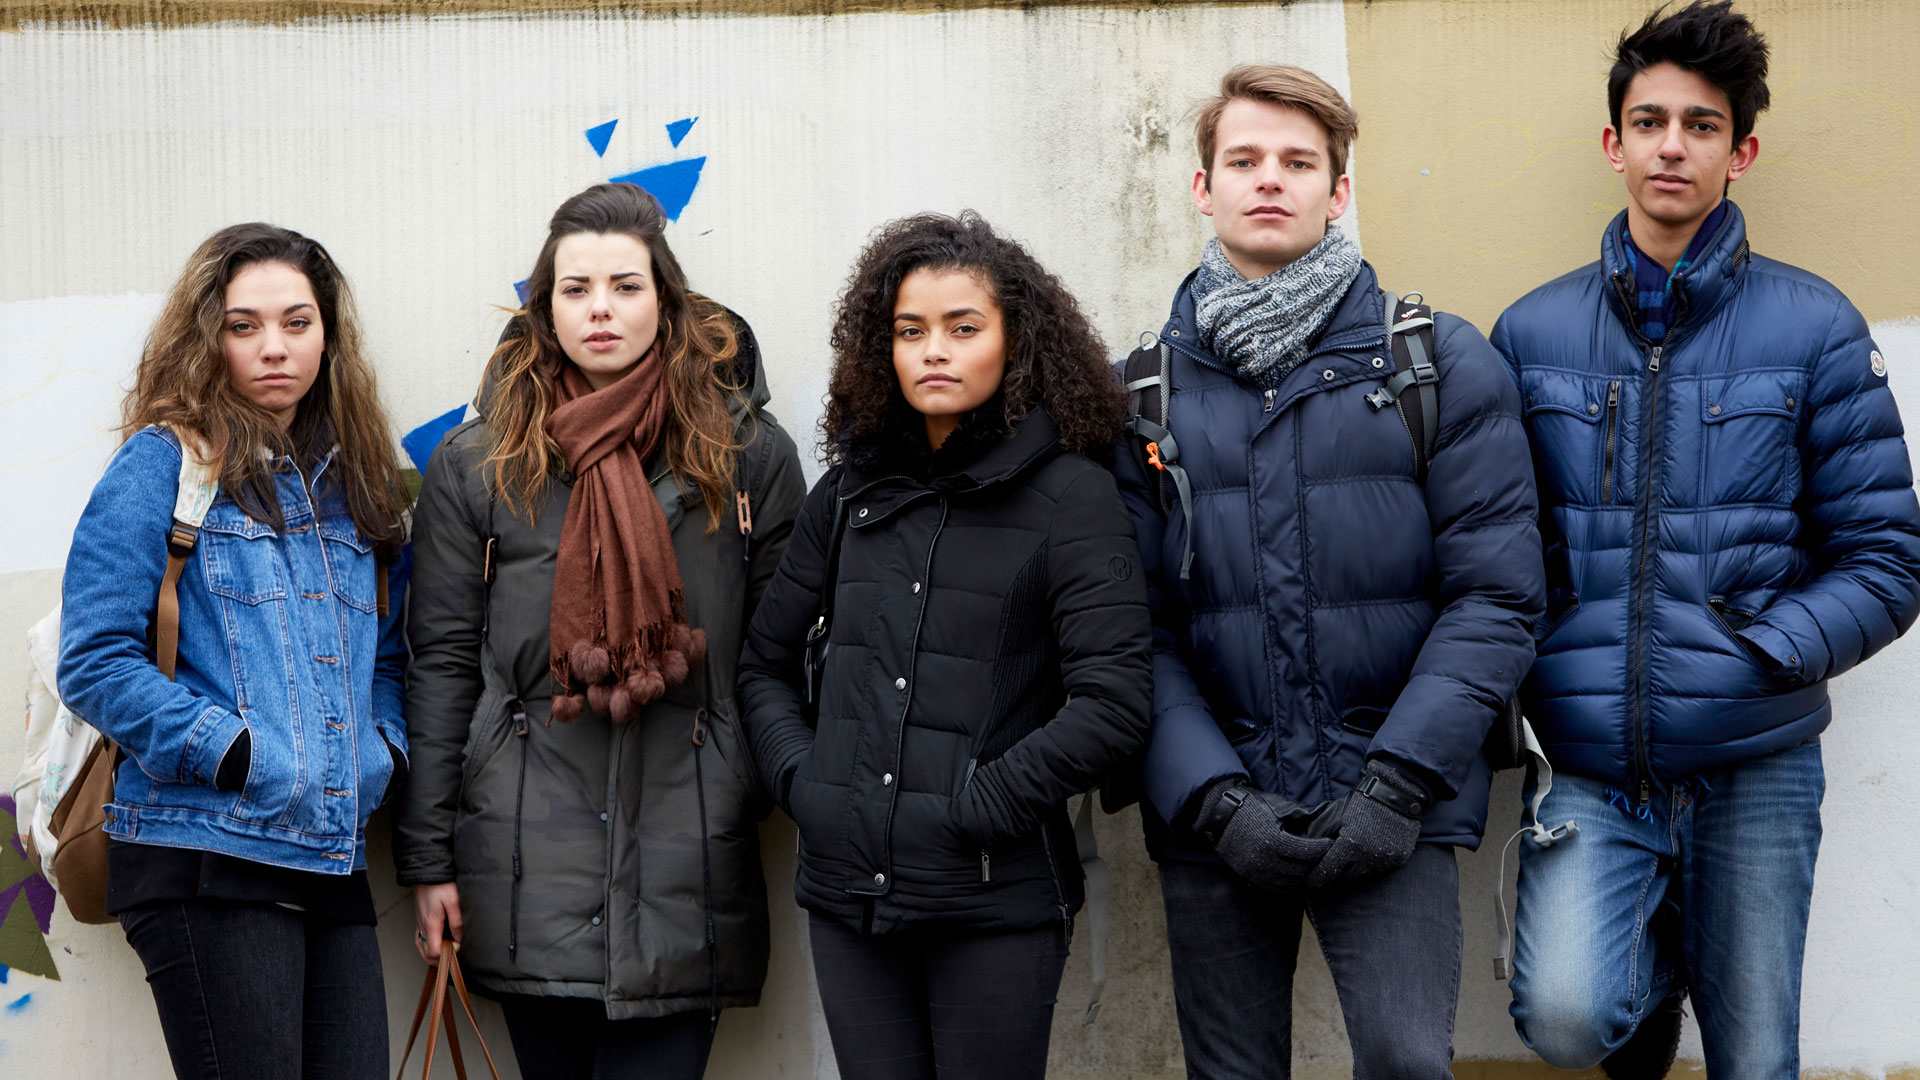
1301	166
239	327
1706	127
299	322
909	332
1240	163
572	290
629	287
1646	123
966	330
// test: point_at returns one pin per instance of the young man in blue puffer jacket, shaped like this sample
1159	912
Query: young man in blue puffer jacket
1335	627
1730	521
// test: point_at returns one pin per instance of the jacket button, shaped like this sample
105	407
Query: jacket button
886	779
1713	410
1794	660
603	815
596	920
1378	362
1593	408
899	684
1789	403
916	588
863	511
879	879
1327	375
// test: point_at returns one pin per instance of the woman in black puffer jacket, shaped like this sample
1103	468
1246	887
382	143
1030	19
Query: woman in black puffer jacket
988	654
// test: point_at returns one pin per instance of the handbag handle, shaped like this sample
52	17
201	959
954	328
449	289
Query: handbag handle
433	992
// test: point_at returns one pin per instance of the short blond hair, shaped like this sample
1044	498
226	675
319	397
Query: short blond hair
1285	85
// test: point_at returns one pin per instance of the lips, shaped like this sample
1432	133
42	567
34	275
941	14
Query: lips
1270	212
275	377
938	380
1669	182
602	336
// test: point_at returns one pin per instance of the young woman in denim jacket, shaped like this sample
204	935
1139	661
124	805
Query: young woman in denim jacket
237	856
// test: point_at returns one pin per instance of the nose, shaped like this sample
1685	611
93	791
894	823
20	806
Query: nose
273	344
602	307
1272	177
1673	147
939	348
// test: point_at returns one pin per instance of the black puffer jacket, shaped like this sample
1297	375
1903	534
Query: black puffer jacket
991	656
593	862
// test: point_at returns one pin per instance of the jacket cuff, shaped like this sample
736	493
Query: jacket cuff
212	737
1186	753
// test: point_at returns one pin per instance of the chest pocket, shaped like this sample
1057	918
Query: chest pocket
1752	422
349	563
241	556
1579	426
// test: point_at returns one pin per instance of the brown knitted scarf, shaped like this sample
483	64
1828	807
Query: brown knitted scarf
618	628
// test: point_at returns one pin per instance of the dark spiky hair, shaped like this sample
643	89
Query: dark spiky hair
1708	38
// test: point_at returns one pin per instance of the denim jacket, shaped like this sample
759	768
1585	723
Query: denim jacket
279	637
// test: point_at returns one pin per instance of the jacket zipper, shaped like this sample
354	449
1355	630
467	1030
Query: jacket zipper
1643	581
900	726
519	803
1613	424
1053	873
986	856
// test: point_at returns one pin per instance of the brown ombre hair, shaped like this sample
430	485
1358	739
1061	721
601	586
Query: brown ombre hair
696	341
1289	87
182	382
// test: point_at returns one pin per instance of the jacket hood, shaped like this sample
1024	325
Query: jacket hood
1702	287
749	370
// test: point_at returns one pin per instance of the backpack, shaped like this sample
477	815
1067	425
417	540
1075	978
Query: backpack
1412	390
66	780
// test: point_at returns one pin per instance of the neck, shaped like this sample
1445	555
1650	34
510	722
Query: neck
1663	242
939	427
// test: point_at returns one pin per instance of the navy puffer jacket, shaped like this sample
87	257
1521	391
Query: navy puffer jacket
1337	609
1729	515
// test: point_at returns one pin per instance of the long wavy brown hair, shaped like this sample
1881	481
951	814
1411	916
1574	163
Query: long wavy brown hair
182	382
1054	357
697	340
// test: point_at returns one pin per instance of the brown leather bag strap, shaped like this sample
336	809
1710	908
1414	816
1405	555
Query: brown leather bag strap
435	1010
427	988
380	587
166	628
466	1005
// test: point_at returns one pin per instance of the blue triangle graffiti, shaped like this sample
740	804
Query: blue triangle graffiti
672	183
600	134
677	130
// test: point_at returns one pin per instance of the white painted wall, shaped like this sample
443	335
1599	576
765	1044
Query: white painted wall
427	156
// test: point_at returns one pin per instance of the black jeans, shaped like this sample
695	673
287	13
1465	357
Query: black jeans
952	1004
572	1039
260	992
1393	944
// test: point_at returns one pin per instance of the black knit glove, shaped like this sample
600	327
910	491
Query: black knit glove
1248	830
1378	828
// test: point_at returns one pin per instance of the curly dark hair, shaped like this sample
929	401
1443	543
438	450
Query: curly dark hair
1055	359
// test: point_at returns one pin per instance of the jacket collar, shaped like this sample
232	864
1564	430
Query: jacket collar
1359	318
1700	289
881	492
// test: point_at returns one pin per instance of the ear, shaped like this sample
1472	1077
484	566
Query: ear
1745	152
1342	197
1202	196
1610	146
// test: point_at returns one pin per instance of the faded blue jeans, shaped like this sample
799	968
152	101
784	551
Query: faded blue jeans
1705	889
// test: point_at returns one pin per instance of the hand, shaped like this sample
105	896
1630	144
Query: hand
1248	828
436	918
1378	828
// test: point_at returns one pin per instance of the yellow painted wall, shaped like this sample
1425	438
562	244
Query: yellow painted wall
1479	161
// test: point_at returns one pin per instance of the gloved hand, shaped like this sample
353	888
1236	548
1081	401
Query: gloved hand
1248	830
1378	827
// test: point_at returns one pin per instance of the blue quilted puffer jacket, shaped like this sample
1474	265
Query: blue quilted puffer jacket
1337	608
1729	515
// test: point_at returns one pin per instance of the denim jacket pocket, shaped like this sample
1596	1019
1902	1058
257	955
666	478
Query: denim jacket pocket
241	556
349	563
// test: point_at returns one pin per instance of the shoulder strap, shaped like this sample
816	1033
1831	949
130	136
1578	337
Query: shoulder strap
197	489
1147	376
1410	332
824	609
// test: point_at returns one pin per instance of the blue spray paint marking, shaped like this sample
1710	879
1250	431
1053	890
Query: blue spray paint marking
520	290
421	442
3	974
19	1005
599	135
679	128
672	183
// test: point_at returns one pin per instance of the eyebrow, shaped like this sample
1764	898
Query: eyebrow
613	277
1285	151
908	316
256	314
1692	111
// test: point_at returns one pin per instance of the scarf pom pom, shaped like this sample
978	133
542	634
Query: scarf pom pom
621	706
679	637
598	696
650	687
673	666
566	708
592	664
696	646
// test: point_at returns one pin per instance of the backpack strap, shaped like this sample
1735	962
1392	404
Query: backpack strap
813	651
192	499
1147	376
1410	333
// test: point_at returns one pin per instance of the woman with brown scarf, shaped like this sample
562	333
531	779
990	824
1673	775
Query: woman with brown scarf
582	812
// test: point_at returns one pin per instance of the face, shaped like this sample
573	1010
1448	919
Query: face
605	310
1272	191
1676	150
271	337
949	345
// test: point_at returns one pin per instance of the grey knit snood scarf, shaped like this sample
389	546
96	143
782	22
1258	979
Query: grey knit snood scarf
1263	327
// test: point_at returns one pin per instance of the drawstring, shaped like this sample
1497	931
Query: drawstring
699	741
519	804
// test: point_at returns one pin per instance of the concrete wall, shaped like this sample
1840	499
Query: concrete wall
428	151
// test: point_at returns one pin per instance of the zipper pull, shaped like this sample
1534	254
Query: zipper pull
1269	397
519	718
986	865
1646	793
1613	394
1653	359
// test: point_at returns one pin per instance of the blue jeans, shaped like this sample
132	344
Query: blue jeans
1705	889
1393	944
